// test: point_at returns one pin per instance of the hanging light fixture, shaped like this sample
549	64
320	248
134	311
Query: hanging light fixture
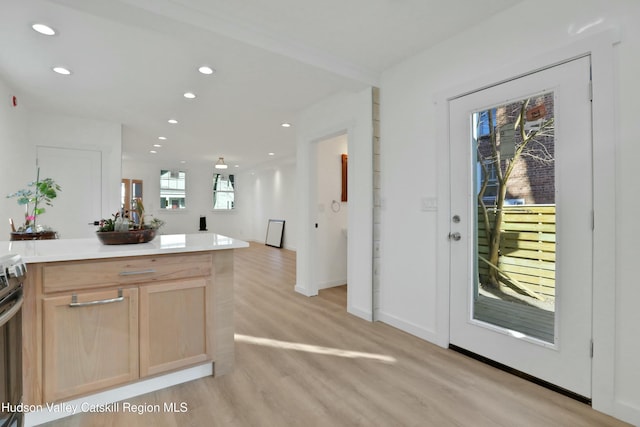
220	164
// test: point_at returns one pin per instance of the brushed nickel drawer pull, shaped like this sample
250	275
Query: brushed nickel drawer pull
75	303
134	273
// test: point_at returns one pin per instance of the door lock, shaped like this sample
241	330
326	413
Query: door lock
455	236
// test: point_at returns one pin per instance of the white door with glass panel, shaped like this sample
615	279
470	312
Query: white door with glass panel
521	224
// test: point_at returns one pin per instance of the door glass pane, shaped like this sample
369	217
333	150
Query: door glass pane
515	236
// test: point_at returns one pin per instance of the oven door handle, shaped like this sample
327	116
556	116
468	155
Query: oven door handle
16	305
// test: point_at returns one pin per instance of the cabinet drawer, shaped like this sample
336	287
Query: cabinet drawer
90	346
73	275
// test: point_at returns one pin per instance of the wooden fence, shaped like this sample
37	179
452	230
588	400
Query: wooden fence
527	247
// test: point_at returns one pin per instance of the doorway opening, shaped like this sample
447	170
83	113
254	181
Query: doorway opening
331	218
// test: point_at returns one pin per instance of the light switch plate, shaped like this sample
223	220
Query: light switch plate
429	204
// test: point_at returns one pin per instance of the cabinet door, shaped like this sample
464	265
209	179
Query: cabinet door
173	320
90	342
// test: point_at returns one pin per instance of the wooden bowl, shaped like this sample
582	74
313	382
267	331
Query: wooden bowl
40	235
126	237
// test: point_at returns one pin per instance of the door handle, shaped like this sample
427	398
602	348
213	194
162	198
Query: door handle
74	301
455	236
137	272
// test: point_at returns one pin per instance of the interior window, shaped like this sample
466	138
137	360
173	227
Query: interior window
223	191
172	189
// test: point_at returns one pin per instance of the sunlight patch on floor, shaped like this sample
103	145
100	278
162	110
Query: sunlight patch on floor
286	345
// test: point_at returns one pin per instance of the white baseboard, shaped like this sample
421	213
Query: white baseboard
261	242
627	412
363	314
332	283
45	414
413	329
304	291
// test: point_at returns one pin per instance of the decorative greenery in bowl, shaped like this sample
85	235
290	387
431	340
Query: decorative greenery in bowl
128	227
34	200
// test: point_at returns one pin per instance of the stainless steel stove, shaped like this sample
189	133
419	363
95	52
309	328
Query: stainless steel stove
12	274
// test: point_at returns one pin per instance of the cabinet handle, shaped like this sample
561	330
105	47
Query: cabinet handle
75	303
133	273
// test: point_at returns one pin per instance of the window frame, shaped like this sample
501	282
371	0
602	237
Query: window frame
168	207
234	187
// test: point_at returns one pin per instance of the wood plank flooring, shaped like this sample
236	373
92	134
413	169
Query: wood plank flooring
306	362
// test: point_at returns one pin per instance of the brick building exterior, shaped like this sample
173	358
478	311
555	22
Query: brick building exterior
533	178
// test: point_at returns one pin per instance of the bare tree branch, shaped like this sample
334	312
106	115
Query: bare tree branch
531	144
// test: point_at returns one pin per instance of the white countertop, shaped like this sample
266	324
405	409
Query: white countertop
33	251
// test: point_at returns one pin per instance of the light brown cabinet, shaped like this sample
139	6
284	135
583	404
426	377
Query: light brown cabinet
90	341
173	325
95	324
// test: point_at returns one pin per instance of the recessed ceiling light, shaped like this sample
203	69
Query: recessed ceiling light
44	29
172	121
286	125
236	166
162	138
157	145
62	70
183	161
153	151
189	95
272	154
206	70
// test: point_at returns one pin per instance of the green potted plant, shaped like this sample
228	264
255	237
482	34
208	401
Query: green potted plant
35	198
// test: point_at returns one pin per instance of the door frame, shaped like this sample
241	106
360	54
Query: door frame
351	114
563	357
315	285
359	269
600	48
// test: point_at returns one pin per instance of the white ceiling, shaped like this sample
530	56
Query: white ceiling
133	59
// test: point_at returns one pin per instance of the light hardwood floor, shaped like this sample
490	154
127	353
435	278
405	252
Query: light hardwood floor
306	362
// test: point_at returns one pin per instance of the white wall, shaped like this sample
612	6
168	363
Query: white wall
18	157
199	197
267	192
332	214
22	130
350	113
271	194
262	193
61	131
409	295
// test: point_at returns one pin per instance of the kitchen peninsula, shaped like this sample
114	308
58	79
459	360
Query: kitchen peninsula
98	317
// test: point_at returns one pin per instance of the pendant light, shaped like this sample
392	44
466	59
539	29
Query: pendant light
220	164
